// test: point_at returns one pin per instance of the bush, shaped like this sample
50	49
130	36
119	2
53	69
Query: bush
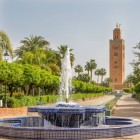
133	95
18	95
137	88
25	101
127	90
84	87
14	102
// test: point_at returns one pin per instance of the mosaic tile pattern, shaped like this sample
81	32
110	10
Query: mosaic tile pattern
56	133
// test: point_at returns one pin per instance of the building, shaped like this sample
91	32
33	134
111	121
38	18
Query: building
117	60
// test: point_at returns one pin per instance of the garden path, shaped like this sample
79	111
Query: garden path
97	101
127	107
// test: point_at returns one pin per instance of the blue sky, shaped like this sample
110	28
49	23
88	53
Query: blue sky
84	25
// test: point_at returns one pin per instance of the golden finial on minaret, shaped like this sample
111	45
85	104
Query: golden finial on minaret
117	25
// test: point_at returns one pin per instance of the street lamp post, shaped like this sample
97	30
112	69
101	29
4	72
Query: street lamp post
6	57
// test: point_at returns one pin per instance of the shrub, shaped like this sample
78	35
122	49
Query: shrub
14	102
18	95
84	87
127	90
137	88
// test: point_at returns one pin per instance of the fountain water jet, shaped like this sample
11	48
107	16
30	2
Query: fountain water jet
66	76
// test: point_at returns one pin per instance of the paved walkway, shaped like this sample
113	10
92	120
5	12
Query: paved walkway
97	101
127	107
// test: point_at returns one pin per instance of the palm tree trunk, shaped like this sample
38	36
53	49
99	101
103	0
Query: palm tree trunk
88	73
78	73
97	79
91	76
101	79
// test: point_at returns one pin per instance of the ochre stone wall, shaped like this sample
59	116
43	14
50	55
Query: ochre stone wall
117	60
13	112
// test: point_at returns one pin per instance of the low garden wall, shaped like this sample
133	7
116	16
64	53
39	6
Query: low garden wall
13	112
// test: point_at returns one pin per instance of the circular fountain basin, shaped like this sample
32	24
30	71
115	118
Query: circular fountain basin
68	122
114	127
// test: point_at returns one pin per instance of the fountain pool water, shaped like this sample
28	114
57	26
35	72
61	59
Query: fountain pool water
68	120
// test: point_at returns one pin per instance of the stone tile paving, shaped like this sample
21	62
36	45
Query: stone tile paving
127	107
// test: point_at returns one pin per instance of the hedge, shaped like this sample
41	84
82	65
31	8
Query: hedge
14	102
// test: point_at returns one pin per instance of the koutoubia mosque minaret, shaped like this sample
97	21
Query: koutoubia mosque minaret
117	60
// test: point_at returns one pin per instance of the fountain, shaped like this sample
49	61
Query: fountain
67	120
69	114
66	76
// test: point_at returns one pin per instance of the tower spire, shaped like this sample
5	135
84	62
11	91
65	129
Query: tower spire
117	59
117	25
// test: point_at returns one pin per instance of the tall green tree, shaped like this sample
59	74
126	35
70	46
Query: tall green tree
83	77
106	82
130	80
11	75
93	66
33	44
135	76
78	69
35	51
102	73
97	73
87	67
136	52
62	50
5	44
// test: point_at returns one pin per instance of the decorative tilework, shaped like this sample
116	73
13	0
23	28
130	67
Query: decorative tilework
57	133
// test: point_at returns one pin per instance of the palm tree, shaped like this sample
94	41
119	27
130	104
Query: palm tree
62	50
106	82
78	69
35	42
93	66
83	77
87	67
102	73
31	44
5	44
33	50
97	72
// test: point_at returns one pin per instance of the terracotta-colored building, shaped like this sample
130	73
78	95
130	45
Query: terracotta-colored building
117	60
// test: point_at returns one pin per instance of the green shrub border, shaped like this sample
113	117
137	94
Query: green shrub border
14	102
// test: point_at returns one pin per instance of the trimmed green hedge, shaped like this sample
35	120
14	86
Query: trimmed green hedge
127	90
21	101
84	87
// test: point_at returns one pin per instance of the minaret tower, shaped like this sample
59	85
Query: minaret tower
117	59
